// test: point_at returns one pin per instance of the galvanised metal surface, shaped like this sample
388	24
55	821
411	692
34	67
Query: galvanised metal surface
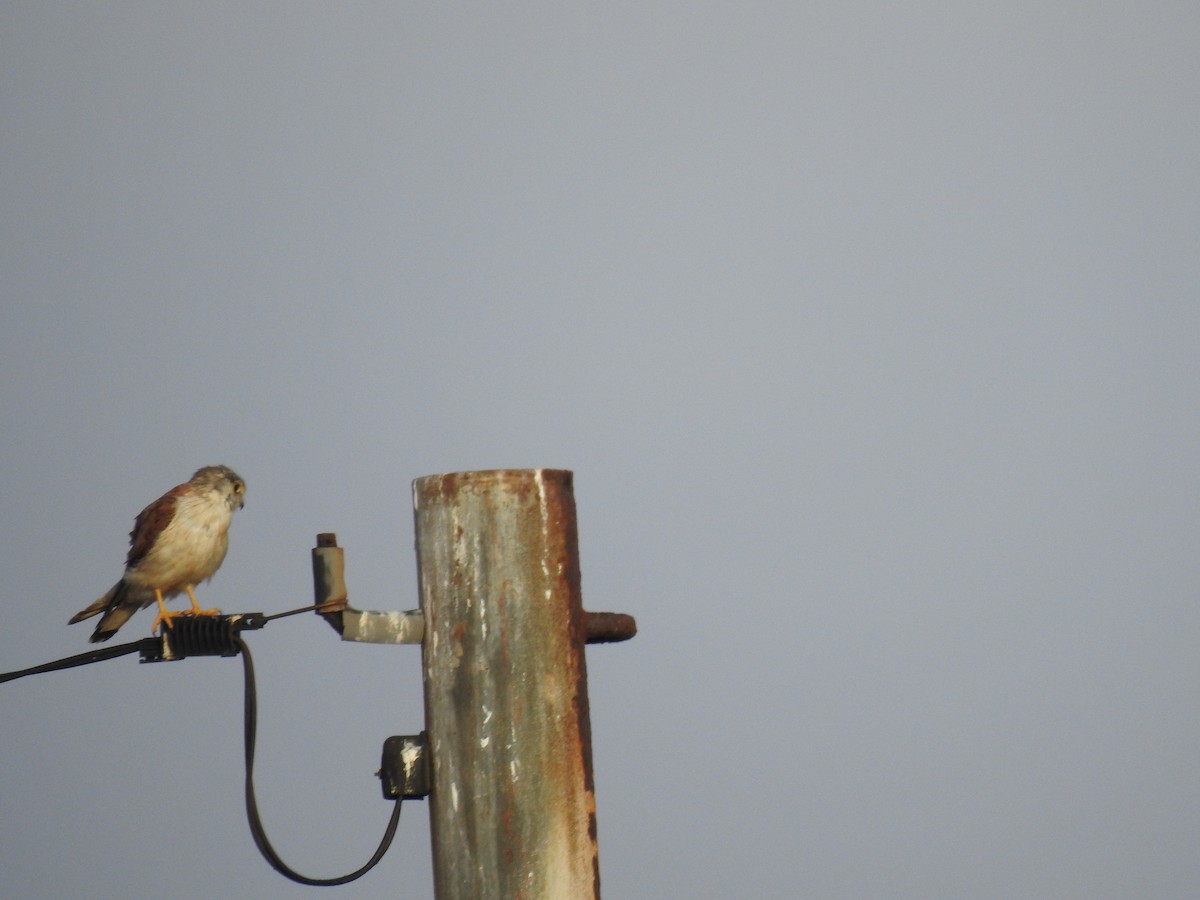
512	803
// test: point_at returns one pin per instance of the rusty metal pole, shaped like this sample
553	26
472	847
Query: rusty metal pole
512	806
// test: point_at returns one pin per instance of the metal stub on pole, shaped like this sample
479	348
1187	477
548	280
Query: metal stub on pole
512	803
609	628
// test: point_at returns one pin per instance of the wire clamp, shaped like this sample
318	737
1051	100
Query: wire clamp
201	636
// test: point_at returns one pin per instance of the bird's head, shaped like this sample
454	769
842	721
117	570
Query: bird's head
224	481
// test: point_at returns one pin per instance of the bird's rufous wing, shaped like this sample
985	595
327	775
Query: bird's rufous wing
150	523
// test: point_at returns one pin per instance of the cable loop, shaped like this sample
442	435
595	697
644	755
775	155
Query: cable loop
256	827
220	636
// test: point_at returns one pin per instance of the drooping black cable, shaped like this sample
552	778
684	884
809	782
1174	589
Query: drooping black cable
256	827
202	639
92	656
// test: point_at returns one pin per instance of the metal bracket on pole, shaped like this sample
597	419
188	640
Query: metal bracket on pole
407	626
329	591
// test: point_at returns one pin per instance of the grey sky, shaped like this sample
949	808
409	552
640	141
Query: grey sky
870	332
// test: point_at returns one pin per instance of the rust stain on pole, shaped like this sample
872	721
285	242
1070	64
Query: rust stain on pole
512	805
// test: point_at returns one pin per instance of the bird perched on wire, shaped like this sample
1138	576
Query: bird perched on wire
177	542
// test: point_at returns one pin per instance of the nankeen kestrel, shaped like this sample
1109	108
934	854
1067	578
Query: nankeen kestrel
177	542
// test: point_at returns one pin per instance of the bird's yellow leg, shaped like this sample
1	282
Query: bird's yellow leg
163	616
196	610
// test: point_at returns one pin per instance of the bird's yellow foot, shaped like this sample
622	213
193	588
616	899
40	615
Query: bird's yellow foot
196	610
165	615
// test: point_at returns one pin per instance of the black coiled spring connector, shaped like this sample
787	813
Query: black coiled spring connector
200	636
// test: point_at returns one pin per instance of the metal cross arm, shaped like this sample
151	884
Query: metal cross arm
407	626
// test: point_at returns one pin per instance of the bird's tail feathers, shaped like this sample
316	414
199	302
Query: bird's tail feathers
112	620
117	605
98	606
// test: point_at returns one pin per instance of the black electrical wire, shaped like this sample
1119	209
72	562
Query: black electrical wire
205	639
92	656
256	827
